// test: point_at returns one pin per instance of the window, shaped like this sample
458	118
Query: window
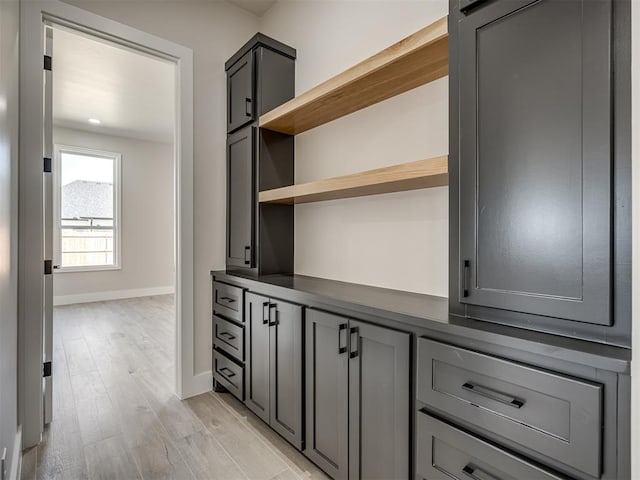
87	223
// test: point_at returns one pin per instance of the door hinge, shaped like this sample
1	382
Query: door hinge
47	165
48	63
46	370
48	267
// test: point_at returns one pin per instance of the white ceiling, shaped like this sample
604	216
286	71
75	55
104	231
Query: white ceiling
130	93
257	7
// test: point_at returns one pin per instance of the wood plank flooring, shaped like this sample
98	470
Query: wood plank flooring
115	416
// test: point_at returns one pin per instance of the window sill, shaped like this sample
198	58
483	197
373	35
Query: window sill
88	269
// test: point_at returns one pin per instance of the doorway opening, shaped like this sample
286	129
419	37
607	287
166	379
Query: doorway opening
113	201
35	285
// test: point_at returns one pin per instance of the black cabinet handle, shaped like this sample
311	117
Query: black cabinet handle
477	474
342	327
247	255
466	267
228	299
274	307
247	107
227	334
227	372
466	5
493	395
353	352
265	313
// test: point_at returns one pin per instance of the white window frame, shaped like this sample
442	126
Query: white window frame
117	220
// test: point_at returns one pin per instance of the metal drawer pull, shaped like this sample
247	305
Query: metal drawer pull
227	372
493	395
228	299
247	107
228	335
477	474
265	313
342	327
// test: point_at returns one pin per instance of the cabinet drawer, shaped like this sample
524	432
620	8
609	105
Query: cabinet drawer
229	374
227	301
553	415
446	453
229	337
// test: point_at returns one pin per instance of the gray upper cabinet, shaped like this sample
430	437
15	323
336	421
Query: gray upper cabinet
358	403
241	198
240	109
274	364
535	147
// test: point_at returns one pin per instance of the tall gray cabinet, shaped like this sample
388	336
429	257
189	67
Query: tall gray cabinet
260	76
539	150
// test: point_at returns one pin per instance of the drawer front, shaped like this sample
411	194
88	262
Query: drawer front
229	337
229	374
446	453
228	301
556	416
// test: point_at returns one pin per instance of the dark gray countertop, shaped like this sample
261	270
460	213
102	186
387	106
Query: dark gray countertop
427	315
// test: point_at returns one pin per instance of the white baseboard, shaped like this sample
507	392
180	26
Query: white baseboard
16	460
111	295
196	385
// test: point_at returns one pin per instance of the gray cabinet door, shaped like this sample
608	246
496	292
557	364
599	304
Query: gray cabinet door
535	158
378	402
327	397
286	370
240	110
257	313
241	197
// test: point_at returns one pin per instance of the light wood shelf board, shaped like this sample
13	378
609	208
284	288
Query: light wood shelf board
432	172
418	59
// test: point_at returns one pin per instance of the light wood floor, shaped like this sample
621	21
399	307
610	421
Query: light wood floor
115	416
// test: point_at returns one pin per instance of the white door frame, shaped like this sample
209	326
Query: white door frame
31	241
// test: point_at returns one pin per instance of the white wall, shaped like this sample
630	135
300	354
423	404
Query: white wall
9	21
214	31
147	233
396	240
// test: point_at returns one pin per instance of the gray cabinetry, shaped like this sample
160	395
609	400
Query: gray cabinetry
228	338
533	160
240	76
241	197
445	453
327	392
378	402
257	320
274	364
538	410
260	77
358	404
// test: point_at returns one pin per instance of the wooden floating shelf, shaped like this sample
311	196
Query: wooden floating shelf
418	59
432	172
